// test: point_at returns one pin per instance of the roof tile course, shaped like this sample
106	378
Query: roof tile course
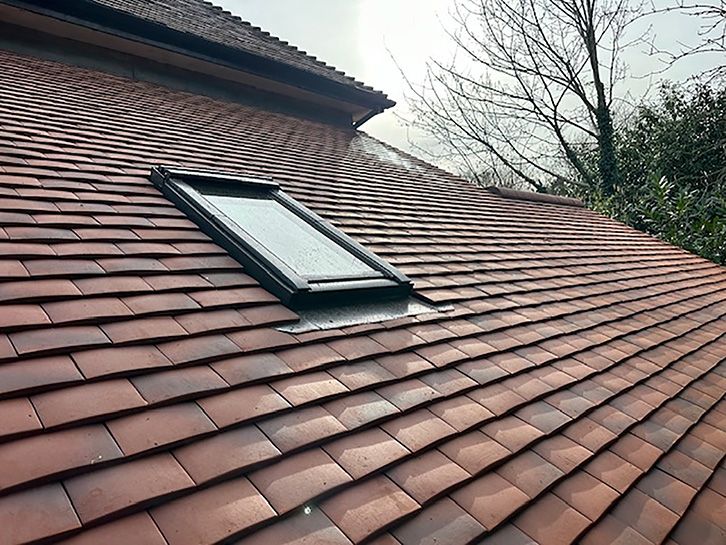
574	391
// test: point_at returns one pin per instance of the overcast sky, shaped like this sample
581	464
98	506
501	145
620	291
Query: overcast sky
362	37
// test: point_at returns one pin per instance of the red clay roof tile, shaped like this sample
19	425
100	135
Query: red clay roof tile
508	535
302	389
109	361
356	348
158	303
397	340
418	429
297	428
368	507
551	521
645	515
530	473
427	476
699	526
62	267
461	412
19	416
589	434
225	452
613	471
232	297
299	478
612	419
17	316
443	523
497	398
55	453
669	491
638	452
32	374
86	401
243	404
244	369
56	339
153	428
268	315
474	451
403	365
261	339
213	321
178	383
448	382
212	514
586	494
684	468
139	528
105	491
361	374
145	329
410	393
37	512
612	531
362	453
385	539
198	349
313	527
512	432
543	416
308	357
86	310
360	409
562	452
490	499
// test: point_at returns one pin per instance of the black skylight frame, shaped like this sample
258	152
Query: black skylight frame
181	185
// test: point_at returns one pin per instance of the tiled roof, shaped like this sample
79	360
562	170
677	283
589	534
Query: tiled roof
574	391
210	22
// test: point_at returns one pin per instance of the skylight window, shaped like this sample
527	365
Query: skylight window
289	249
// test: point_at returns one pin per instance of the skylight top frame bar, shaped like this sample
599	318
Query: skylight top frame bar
384	282
161	175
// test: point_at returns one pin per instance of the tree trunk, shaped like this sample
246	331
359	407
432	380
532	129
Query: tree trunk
608	164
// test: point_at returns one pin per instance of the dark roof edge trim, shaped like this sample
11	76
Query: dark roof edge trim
110	21
508	193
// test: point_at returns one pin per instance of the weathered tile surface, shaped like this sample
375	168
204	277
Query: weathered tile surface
574	391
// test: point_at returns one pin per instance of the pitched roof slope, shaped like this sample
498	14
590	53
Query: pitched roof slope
210	22
575	391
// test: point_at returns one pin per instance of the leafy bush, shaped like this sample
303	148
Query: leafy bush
672	161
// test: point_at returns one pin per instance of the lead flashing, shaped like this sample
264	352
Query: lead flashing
508	193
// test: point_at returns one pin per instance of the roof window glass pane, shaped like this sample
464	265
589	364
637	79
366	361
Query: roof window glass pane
297	243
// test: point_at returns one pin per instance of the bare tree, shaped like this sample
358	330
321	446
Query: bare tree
529	88
711	35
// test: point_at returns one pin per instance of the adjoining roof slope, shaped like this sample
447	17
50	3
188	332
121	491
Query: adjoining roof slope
574	392
205	21
213	23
